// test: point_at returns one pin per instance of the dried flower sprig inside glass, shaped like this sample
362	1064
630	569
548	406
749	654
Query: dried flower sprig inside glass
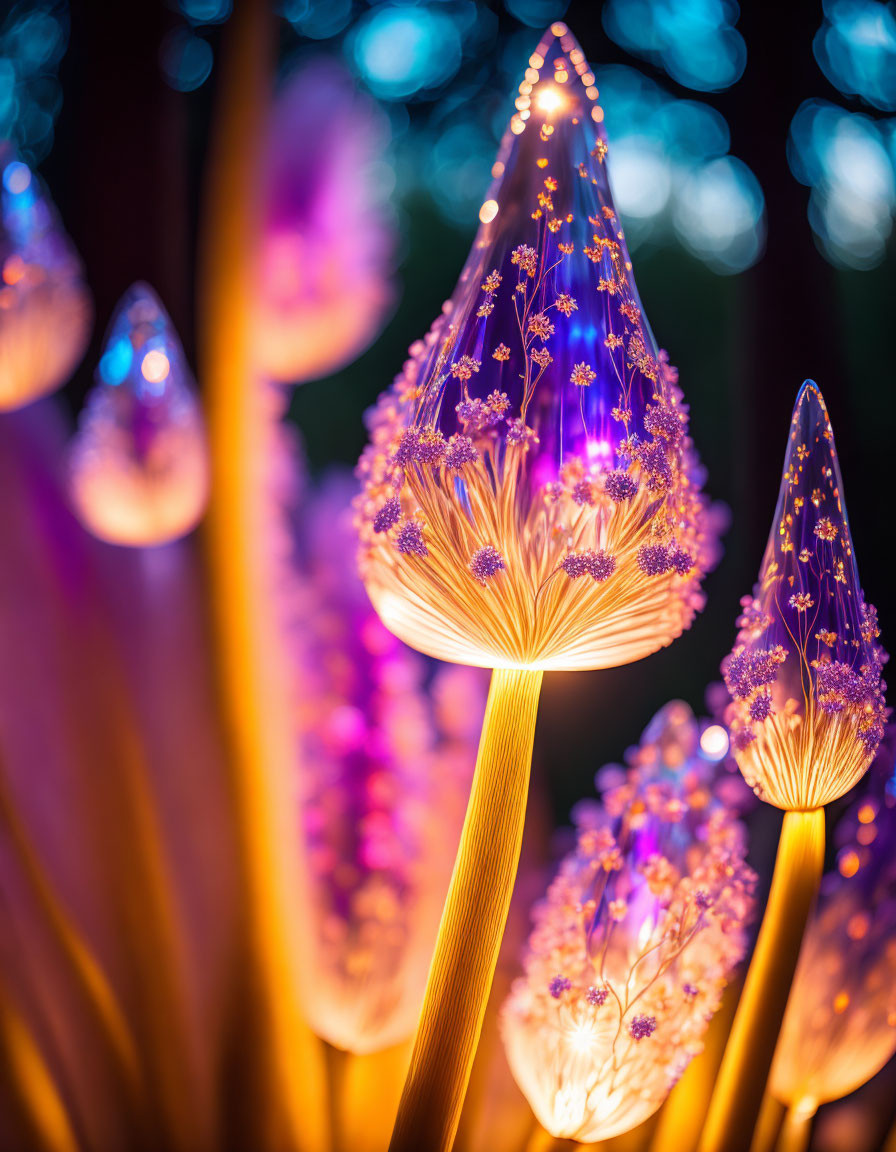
807	716
531	500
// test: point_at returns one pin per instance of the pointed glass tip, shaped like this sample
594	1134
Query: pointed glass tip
533	458
45	309
139	460
805	673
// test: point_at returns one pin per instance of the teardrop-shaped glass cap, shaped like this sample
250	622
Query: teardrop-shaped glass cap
546	313
45	308
531	497
139	460
807	646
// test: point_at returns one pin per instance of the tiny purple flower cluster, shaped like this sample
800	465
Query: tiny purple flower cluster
388	515
642	1026
409	539
600	565
559	985
654	559
619	486
485	562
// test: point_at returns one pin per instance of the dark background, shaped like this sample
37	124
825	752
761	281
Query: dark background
126	173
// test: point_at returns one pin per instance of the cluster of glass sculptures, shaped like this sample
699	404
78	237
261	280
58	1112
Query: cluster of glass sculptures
530	501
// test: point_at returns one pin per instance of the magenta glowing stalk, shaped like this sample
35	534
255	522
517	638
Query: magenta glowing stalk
385	755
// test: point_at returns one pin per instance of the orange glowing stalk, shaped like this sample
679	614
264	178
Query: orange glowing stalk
282	1063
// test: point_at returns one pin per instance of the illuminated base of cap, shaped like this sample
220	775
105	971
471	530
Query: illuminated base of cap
799	763
305	340
44	330
529	614
125	507
364	999
570	1074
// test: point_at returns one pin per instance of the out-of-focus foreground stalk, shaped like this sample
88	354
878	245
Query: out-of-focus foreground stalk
282	1061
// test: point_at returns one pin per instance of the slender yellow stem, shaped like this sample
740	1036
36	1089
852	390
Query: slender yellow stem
797	1128
33	1088
745	1067
768	1126
337	1064
373	1084
473	920
283	1068
542	1141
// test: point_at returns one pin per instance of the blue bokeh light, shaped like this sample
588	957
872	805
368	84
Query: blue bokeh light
672	177
206	11
847	161
186	60
695	41
856	49
537	13
720	215
317	19
403	51
116	362
33	40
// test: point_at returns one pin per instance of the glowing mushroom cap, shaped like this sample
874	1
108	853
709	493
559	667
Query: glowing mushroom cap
531	497
45	308
840	1026
634	943
385	759
327	243
139	460
805	673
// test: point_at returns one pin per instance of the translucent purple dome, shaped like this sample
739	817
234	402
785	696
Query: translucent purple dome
808	709
531	496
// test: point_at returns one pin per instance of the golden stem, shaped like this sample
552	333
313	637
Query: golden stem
797	1128
768	1126
337	1062
748	1057
282	1063
542	1141
473	920
373	1083
33	1088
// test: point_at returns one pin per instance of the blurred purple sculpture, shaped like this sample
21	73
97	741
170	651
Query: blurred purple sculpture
45	308
327	246
139	460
